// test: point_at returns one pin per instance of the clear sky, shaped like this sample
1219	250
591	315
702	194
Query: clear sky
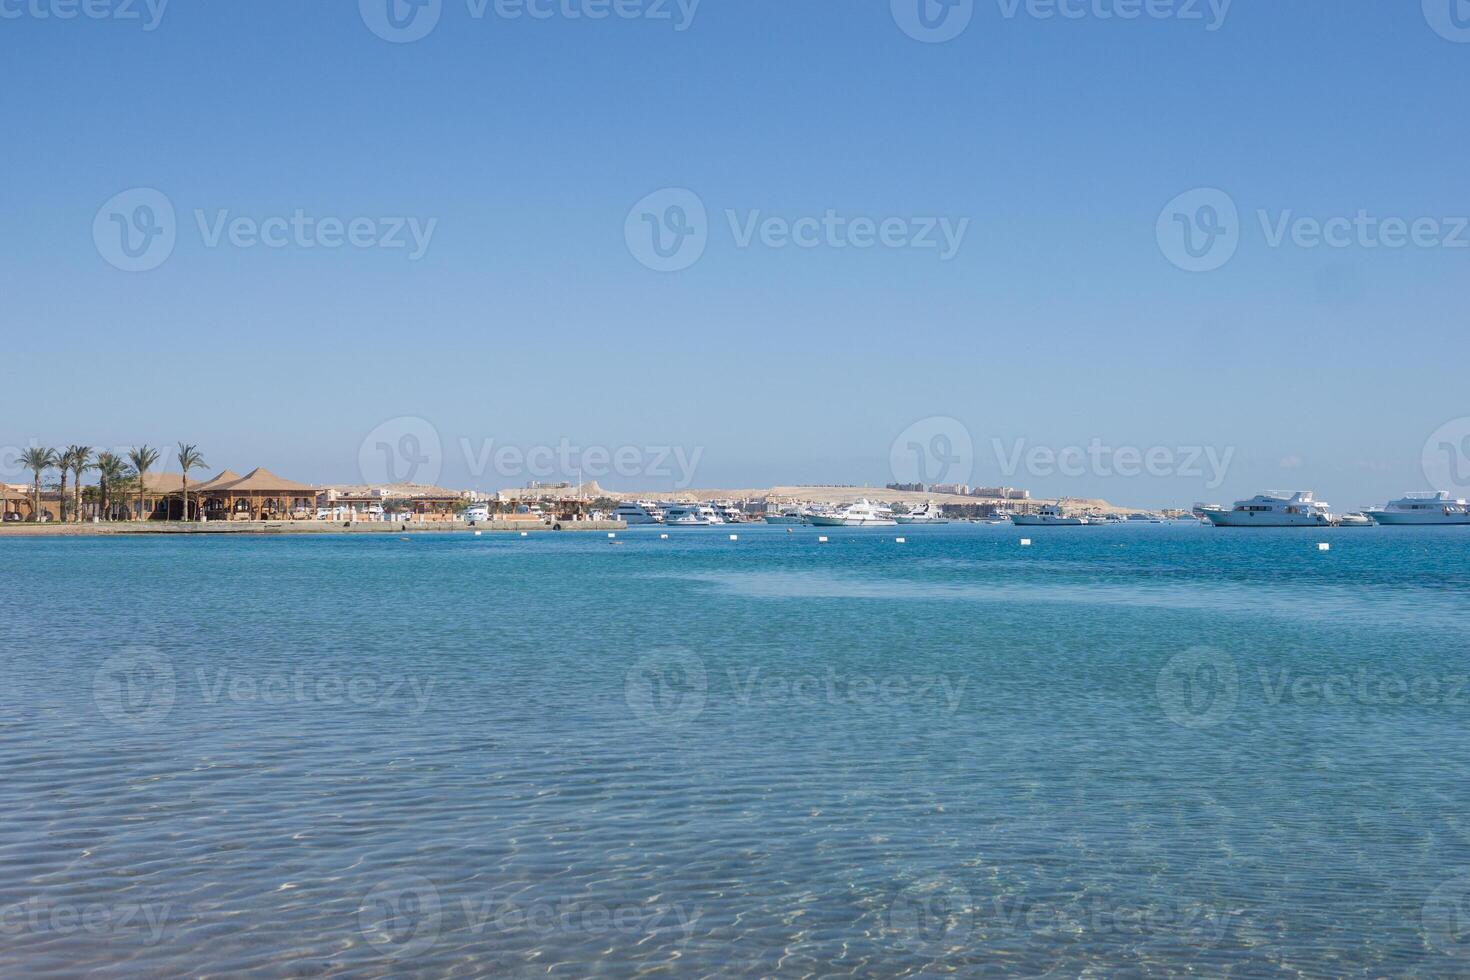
1060	311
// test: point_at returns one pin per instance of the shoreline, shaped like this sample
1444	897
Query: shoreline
104	529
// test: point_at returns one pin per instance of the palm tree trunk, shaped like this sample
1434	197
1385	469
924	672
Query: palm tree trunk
77	489
36	510
185	516
61	499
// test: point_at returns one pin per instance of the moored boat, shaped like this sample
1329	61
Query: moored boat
1437	507
1048	515
860	514
928	513
1274	508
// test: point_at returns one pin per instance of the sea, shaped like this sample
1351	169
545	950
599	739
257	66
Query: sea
1137	750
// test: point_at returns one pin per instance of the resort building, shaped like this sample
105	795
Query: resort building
259	495
395	502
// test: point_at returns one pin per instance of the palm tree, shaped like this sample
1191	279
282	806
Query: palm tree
110	470
189	457
63	465
142	458
38	460
81	461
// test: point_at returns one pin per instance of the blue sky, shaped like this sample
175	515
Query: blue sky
1059	321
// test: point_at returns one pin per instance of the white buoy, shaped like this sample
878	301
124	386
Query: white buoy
663	537
611	534
822	539
734	537
1025	542
523	534
1324	546
478	533
898	540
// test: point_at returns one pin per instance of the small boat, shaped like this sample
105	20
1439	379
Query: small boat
926	514
791	515
860	514
1048	515
1355	519
1437	507
1274	508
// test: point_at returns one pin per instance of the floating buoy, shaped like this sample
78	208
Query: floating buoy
788	530
898	540
663	537
1025	542
1324	546
478	533
822	539
611	534
734	537
523	534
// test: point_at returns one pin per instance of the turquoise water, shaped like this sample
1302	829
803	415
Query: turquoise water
1123	750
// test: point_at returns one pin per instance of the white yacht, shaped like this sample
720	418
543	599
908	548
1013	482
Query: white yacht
928	513
1423	508
790	515
637	512
860	514
1274	508
1355	519
691	515
729	513
1048	514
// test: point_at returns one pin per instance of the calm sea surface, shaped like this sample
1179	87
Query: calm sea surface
1137	750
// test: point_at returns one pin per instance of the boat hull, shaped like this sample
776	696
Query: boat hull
1235	518
921	520
1034	521
824	521
1390	517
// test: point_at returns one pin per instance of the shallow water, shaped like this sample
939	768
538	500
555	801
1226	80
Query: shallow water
1140	750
